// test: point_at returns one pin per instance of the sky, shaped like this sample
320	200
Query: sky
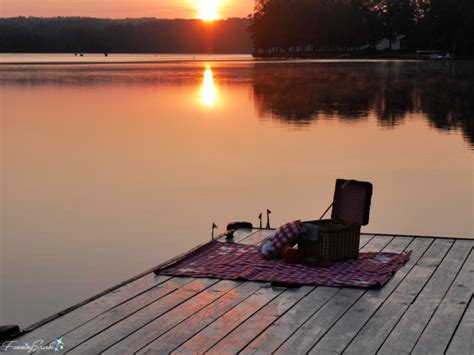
122	8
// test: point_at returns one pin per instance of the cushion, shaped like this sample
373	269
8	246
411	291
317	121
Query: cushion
287	235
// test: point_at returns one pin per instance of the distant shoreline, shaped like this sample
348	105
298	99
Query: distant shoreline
123	62
117	58
170	58
370	56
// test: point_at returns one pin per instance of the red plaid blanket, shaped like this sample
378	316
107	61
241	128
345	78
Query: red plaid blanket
229	261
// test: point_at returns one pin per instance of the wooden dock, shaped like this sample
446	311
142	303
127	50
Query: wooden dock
427	308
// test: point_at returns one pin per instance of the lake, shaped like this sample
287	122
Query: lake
110	169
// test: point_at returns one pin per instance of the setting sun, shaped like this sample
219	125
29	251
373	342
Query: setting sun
208	10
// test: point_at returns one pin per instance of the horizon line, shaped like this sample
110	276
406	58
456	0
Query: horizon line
125	18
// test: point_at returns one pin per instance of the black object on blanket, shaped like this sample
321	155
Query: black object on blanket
233	226
239	225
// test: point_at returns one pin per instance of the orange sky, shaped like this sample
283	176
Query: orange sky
120	8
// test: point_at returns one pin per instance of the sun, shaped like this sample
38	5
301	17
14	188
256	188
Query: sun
208	10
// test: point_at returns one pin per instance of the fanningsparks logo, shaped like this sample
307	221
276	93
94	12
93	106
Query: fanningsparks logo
35	347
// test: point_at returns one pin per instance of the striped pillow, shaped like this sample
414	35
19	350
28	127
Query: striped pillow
287	235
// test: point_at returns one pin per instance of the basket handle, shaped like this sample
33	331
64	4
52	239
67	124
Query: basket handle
327	210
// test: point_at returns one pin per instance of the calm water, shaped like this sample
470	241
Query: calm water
110	169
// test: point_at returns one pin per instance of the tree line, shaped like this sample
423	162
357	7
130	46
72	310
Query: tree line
312	27
147	35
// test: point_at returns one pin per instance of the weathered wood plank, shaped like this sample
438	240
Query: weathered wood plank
257	237
439	331
229	321
108	337
376	244
70	321
376	330
463	340
341	334
398	245
158	339
318	324
405	335
248	330
365	239
434	256
242	234
372	335
281	329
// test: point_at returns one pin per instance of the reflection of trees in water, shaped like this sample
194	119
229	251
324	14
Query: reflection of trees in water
301	93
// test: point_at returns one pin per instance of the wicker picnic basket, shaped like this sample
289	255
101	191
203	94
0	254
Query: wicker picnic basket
339	236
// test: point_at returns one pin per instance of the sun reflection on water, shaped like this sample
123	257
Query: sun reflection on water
208	88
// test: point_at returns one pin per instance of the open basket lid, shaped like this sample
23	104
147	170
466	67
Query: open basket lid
352	201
